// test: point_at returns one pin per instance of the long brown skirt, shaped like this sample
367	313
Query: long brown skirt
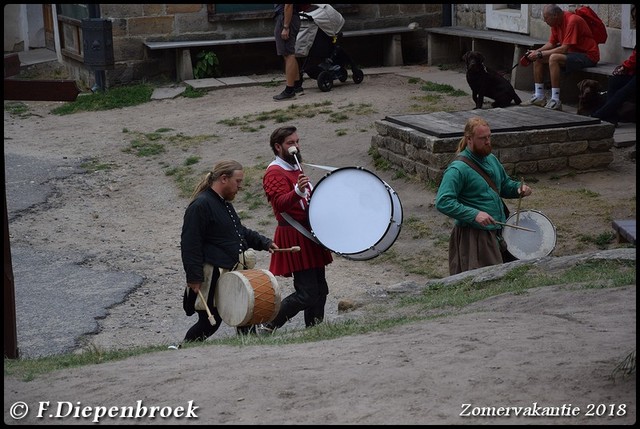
471	248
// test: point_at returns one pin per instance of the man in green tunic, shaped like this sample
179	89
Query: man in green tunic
475	204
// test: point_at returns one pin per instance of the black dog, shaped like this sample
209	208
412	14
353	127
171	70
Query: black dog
590	96
485	82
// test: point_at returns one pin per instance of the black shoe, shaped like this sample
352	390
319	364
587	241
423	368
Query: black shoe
298	89
284	95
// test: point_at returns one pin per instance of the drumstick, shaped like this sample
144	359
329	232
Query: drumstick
212	319
519	202
515	226
290	249
292	151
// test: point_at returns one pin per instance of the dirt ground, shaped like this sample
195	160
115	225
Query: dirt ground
549	348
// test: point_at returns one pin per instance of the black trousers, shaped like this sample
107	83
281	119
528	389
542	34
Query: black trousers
202	329
310	296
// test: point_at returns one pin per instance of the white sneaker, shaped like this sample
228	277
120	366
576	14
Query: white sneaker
538	100
554	105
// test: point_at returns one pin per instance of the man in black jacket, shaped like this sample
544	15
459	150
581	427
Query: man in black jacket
213	238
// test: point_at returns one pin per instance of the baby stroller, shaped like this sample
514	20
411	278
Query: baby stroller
317	41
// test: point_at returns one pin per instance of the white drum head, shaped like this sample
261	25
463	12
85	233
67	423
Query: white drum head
234	298
247	297
351	210
530	245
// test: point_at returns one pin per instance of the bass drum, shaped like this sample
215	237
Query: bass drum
354	213
525	245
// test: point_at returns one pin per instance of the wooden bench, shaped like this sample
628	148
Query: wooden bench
184	69
448	45
625	230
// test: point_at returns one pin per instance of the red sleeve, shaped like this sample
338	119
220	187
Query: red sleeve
280	190
630	63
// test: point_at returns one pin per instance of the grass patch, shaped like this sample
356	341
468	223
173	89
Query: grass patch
443	89
144	147
94	165
602	240
419	228
434	98
184	178
378	161
16	108
256	122
273	83
155	143
435	301
191	92
114	98
593	274
252	194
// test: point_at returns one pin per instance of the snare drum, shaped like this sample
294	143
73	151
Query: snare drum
354	213
530	245
247	297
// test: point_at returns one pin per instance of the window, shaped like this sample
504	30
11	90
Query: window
508	17
70	18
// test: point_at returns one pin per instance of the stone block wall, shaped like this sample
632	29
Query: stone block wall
576	148
133	24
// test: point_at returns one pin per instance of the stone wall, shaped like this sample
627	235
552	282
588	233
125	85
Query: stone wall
133	24
576	148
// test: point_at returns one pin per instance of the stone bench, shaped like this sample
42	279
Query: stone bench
184	68
448	45
625	230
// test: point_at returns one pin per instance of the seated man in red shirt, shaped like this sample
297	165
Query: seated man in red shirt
571	47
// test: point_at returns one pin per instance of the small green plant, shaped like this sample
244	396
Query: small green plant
207	65
378	161
191	92
192	160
